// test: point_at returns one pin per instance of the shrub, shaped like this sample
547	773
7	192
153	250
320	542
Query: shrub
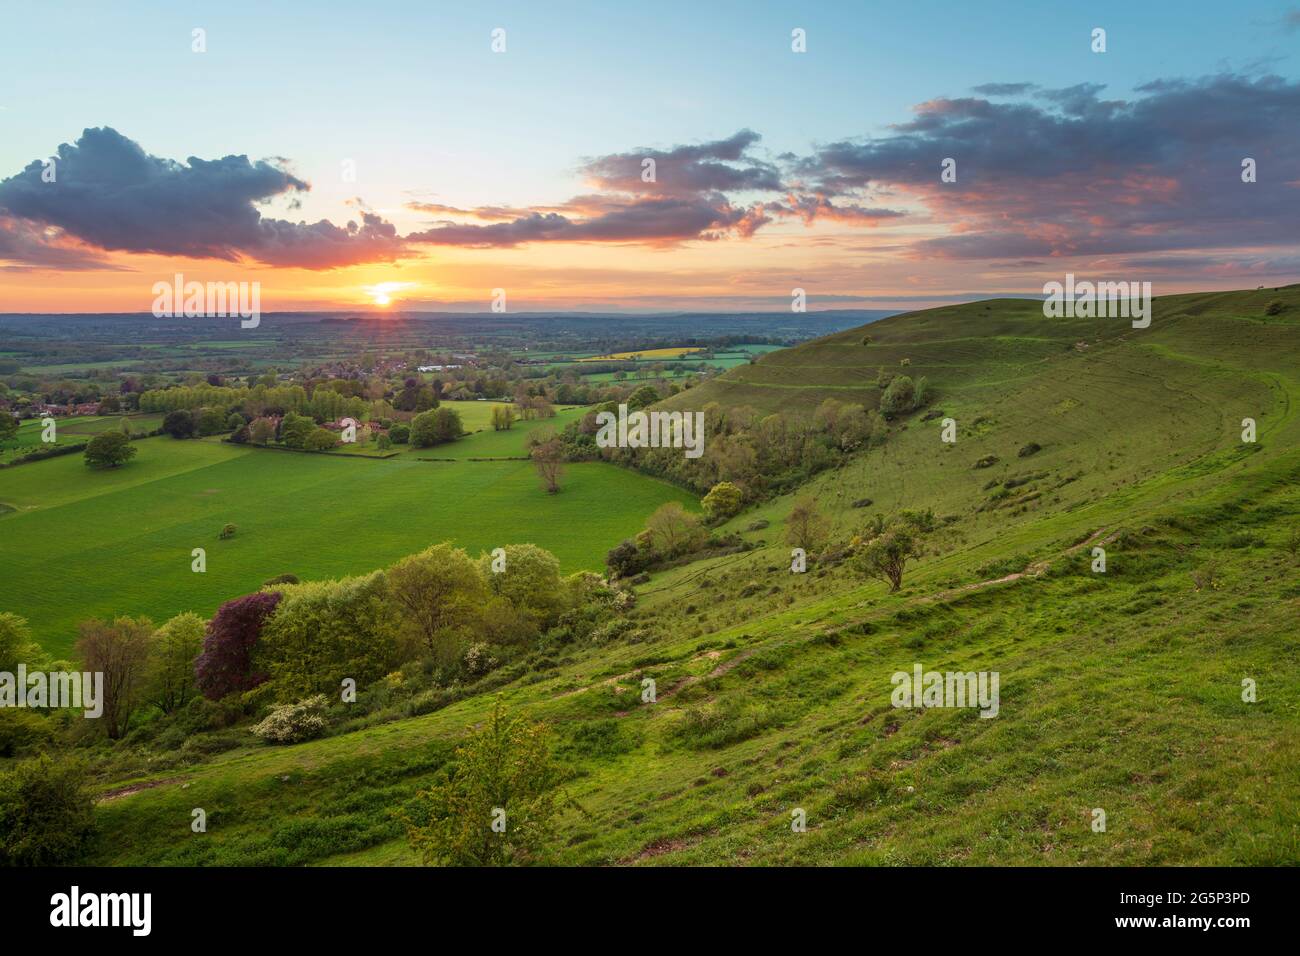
899	397
400	434
280	579
1274	308
507	768
624	559
22	731
292	723
47	814
723	501
228	532
1031	449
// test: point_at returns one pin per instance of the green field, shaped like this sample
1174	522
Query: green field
1120	690
73	430
82	543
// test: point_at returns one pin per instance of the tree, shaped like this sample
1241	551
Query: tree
548	459
261	431
8	425
226	664
16	644
400	434
643	396
805	526
172	650
435	427
326	631
672	530
109	450
120	651
234	422
211	421
179	424
530	581
438	592
47	813
723	501
295	429
503	416
886	555
320	439
504	775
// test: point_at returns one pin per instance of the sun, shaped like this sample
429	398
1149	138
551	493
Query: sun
381	294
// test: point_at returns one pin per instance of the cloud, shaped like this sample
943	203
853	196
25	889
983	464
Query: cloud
1070	173
1042	174
109	193
1003	89
29	247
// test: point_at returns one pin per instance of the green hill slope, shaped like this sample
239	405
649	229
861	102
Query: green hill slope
1120	691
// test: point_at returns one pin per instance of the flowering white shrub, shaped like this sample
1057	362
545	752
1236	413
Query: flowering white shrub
291	723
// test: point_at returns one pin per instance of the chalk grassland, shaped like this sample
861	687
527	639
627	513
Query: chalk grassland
82	543
1119	691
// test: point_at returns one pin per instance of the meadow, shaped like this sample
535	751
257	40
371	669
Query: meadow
82	543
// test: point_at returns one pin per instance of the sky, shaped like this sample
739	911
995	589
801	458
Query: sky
384	155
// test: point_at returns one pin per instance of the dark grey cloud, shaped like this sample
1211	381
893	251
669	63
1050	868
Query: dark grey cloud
108	192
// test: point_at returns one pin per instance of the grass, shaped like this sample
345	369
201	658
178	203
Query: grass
72	430
83	543
1120	691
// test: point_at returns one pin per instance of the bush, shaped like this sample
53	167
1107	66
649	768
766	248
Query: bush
47	814
507	766
1274	308
293	723
723	501
899	397
22	731
400	434
1031	449
227	532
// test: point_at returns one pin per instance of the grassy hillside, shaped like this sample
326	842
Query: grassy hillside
1119	690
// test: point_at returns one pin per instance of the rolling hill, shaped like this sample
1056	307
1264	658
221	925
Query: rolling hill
1121	690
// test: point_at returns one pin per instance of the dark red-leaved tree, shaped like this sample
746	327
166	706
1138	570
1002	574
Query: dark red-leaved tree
226	664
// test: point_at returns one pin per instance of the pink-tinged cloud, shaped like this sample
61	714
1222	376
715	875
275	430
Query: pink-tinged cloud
109	193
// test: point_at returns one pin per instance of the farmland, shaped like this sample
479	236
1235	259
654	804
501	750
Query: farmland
119	542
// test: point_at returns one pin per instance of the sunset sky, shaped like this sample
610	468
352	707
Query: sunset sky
522	170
